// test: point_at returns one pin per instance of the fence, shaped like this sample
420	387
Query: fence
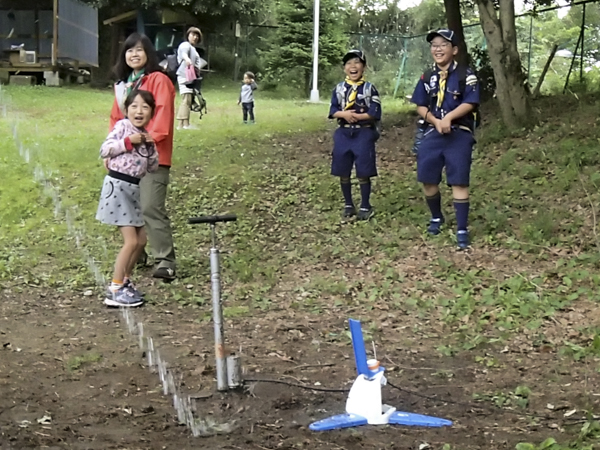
396	62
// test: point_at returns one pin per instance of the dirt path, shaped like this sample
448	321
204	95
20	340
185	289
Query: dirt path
72	377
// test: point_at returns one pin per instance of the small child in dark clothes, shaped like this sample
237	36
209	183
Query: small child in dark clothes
357	107
247	96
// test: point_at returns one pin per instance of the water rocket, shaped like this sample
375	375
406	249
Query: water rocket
364	405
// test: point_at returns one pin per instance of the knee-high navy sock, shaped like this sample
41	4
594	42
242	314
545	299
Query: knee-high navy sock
365	192
435	205
346	190
462	213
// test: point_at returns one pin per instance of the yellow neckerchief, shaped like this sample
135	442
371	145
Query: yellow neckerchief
442	83
442	89
354	91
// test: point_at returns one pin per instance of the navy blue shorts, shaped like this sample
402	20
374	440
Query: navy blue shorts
354	147
453	150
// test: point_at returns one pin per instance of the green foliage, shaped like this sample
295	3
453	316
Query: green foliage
288	56
519	397
480	61
76	362
426	16
375	17
232	9
588	437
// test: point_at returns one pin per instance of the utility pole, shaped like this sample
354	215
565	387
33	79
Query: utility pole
314	94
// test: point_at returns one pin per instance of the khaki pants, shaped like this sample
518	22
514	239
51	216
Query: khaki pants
183	113
153	192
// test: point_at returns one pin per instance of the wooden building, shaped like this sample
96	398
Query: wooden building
52	39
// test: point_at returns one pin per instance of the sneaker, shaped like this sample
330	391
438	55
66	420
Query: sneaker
435	226
123	297
365	213
190	127
349	211
166	273
130	285
462	239
127	285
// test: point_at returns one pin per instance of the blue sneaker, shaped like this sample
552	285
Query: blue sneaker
462	239
435	226
130	285
123	297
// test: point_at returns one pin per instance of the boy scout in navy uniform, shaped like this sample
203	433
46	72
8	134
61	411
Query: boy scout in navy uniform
356	106
446	101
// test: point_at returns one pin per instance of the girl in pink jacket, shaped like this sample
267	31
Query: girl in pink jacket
129	154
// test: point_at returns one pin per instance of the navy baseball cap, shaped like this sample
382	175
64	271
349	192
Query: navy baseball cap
445	33
354	54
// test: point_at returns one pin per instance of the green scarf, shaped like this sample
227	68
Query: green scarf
133	80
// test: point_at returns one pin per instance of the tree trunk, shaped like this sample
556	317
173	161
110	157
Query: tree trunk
454	19
538	86
511	89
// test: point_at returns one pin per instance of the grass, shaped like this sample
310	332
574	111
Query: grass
533	220
77	362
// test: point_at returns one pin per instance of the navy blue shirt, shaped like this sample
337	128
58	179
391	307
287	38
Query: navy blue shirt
360	105
426	93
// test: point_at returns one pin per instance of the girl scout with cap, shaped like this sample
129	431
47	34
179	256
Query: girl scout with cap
446	101
356	105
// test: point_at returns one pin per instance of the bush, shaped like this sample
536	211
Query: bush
480	61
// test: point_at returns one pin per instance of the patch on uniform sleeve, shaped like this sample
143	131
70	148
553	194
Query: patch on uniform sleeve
471	80
432	81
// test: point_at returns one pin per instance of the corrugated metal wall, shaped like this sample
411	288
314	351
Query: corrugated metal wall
77	32
20	25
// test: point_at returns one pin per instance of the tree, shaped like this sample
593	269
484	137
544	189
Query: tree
498	23
288	57
454	19
427	16
378	17
213	8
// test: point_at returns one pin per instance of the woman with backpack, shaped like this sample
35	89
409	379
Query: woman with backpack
138	68
190	64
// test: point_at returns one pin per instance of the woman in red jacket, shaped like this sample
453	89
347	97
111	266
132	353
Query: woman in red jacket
138	68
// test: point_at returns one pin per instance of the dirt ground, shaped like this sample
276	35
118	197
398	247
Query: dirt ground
72	377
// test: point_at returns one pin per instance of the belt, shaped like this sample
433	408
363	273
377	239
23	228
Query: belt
123	177
352	125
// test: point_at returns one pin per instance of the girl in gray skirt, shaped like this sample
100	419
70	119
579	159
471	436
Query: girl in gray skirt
129	153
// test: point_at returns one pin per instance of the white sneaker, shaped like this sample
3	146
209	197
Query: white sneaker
190	127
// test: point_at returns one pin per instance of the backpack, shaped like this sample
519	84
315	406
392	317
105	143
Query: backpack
172	66
340	92
462	85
